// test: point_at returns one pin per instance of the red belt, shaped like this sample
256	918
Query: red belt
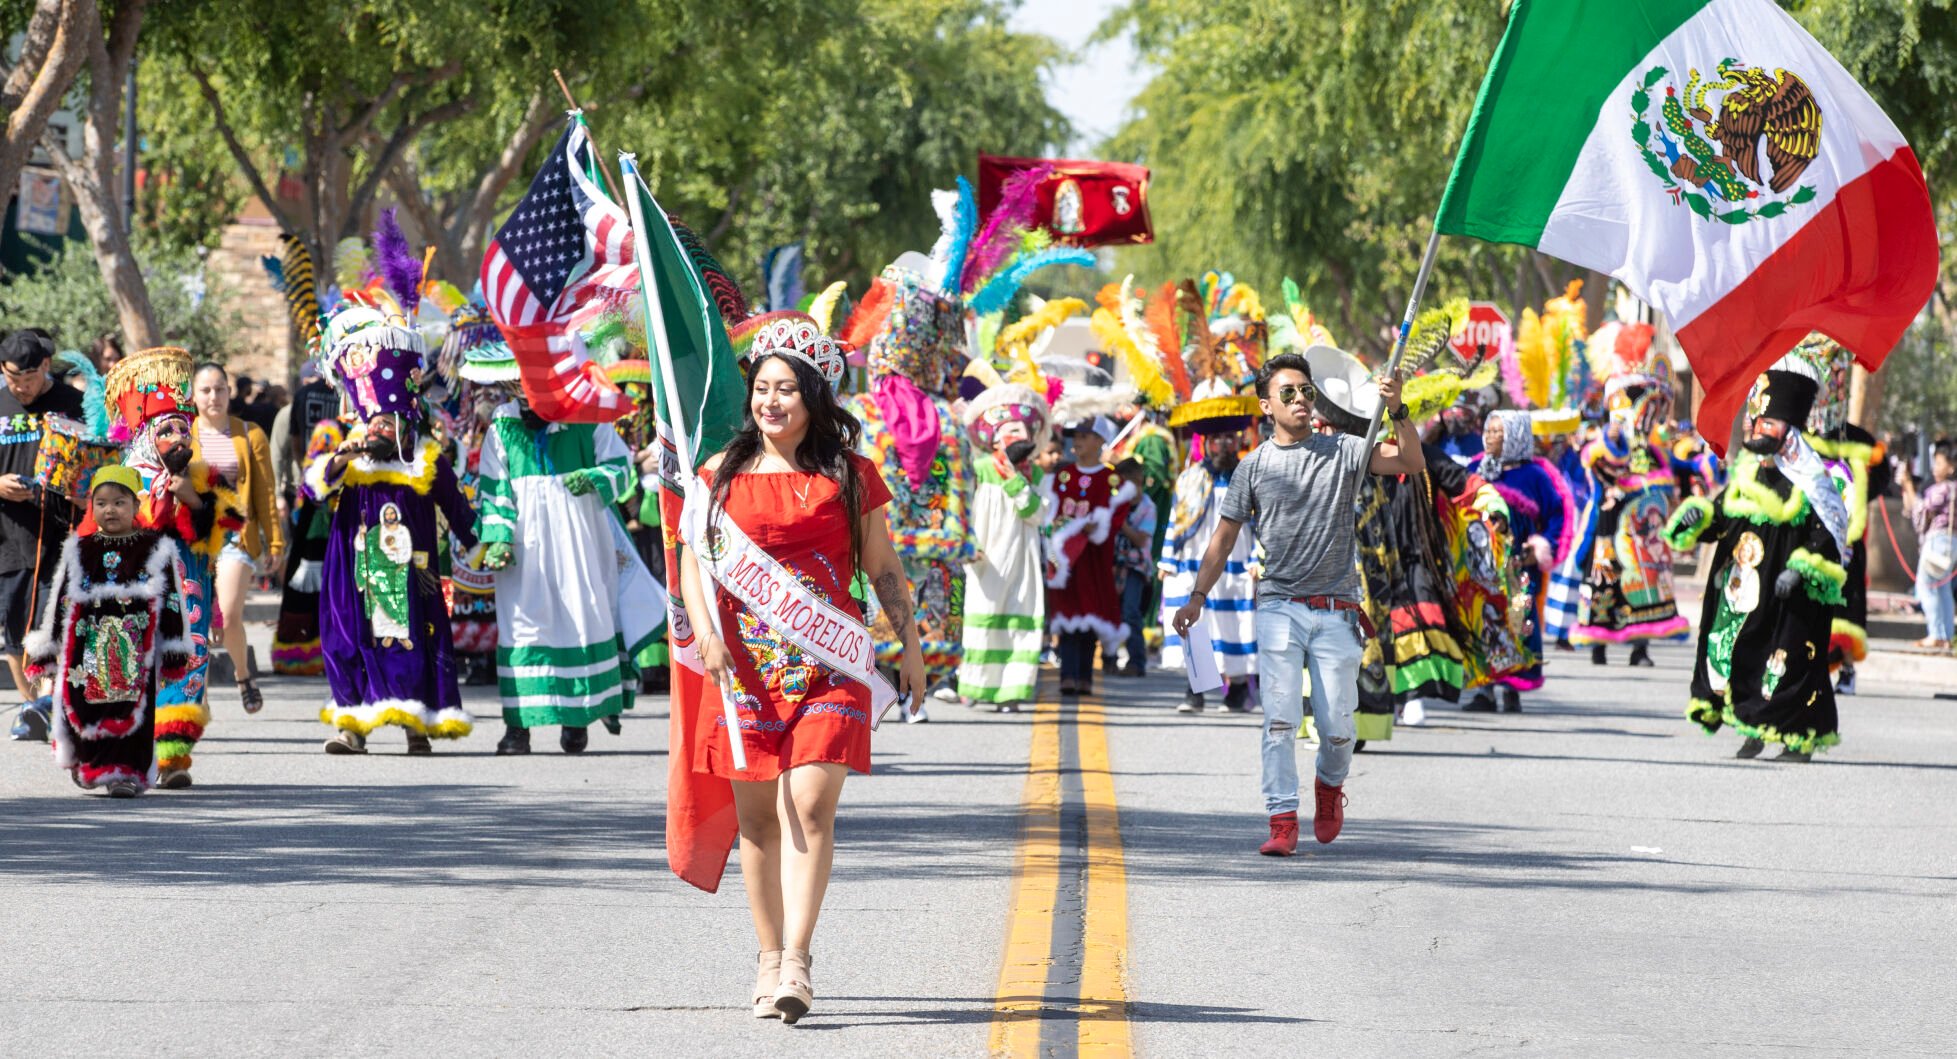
1334	603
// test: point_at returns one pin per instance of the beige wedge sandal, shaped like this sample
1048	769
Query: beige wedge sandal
767	976
795	995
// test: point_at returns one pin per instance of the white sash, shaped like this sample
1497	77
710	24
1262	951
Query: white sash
774	594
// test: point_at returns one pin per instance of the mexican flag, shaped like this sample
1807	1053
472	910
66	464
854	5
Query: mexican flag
1715	159
688	336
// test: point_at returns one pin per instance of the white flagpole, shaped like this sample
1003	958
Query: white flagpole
684	444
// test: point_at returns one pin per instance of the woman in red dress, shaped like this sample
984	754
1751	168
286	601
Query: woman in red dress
1082	605
791	480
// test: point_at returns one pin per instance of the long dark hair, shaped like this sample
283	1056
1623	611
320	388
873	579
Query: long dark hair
825	450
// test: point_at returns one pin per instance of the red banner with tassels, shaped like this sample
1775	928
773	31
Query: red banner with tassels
1081	203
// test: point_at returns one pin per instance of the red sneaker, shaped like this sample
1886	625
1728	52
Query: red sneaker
1330	815
1284	836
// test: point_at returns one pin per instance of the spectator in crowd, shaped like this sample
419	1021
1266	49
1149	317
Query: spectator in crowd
106	352
1934	513
1134	559
240	459
33	523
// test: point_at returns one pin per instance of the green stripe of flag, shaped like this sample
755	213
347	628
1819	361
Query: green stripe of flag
1550	82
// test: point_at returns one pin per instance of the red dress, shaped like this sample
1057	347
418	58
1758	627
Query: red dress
1089	509
793	710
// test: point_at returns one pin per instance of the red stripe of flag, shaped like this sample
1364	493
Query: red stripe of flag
1860	271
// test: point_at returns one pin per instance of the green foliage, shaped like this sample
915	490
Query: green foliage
191	188
836	136
65	295
1922	382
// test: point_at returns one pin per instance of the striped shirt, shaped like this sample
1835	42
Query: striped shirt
218	453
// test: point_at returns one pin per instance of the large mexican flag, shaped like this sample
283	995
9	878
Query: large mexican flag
1715	159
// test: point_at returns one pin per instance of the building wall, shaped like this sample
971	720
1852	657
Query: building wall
267	337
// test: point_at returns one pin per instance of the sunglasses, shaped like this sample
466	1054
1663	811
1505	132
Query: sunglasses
1306	393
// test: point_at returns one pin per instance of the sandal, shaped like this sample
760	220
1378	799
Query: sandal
254	700
795	995
767	976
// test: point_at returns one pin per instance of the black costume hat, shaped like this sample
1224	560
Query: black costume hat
1790	397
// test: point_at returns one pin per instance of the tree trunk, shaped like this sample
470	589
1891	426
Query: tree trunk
92	176
52	52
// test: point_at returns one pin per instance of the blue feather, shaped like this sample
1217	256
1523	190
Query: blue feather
95	405
274	268
965	221
995	294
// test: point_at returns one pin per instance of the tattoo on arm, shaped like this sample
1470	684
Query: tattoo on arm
895	598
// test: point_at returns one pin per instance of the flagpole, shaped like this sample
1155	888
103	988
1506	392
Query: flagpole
661	347
1400	341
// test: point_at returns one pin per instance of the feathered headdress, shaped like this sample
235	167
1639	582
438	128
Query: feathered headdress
727	297
1550	368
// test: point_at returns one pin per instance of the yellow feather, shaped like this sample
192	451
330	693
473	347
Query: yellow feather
823	308
1117	338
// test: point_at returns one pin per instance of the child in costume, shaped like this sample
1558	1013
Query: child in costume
113	630
1005	589
150	395
1092	505
384	625
1776	582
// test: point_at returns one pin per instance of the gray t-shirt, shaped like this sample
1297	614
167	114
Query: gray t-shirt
1301	498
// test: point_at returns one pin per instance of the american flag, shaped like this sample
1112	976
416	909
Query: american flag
562	260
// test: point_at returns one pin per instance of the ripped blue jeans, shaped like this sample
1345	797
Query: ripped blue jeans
1292	637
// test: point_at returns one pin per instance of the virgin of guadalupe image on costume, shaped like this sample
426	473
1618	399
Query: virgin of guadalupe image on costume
1067	216
383	555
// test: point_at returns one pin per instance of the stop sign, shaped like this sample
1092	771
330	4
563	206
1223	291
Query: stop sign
1489	326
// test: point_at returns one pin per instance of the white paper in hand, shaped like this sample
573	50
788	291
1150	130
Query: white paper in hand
1200	658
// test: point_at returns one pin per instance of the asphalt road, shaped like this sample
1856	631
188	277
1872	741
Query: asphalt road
1591	877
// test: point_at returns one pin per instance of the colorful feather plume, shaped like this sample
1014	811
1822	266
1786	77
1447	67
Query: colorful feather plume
395	260
301	296
1015	340
1143	368
823	309
95	406
999	290
443	295
1158	321
867	321
1195	327
957	222
352	264
999	239
726	294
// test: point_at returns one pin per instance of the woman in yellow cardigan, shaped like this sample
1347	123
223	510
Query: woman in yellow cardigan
237	452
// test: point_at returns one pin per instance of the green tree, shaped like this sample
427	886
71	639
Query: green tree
65	295
838	140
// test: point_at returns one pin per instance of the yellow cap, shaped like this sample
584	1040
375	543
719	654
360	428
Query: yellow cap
117	474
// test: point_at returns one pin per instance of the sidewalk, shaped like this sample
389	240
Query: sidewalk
1895	663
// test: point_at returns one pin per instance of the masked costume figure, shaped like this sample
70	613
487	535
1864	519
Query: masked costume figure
384	625
1776	581
916	355
150	396
1859	465
113	631
1005	586
575	605
1626	593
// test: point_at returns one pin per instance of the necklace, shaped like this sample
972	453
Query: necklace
802	493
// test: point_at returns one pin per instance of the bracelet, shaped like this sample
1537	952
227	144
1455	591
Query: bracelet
1400	414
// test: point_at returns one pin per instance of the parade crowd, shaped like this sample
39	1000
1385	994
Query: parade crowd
921	491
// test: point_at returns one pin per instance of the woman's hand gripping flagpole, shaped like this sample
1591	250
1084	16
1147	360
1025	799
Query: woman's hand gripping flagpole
683	443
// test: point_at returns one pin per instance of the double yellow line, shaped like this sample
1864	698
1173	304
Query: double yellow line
1062	983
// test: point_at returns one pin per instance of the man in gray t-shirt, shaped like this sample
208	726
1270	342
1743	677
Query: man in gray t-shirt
1300	489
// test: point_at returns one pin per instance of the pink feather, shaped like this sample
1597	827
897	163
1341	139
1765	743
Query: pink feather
1019	199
